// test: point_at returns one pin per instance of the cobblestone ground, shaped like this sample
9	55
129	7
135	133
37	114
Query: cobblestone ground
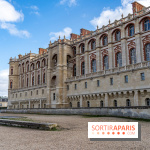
74	136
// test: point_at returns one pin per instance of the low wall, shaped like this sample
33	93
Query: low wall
143	112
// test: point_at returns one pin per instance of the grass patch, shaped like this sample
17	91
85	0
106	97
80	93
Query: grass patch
138	119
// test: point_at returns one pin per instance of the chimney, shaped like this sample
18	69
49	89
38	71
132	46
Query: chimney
74	36
137	7
19	56
41	50
83	32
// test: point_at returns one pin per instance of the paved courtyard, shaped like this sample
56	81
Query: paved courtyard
73	136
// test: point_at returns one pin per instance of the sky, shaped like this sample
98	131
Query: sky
30	24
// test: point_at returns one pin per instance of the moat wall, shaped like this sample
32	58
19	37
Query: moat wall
126	112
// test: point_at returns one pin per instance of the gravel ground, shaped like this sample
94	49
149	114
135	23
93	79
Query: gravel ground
74	136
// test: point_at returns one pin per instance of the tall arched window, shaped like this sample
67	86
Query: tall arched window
32	80
118	59
82	68
106	65
128	103
43	62
38	64
105	40
74	50
38	79
131	30
82	48
44	78
74	70
27	68
147	52
93	44
54	60
132	56
11	84
93	67
118	35
115	103
146	25
27	82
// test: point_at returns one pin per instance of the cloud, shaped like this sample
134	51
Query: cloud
70	3
115	14
34	7
4	82
14	31
34	10
8	13
55	35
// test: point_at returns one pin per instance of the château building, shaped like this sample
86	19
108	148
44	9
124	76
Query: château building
108	67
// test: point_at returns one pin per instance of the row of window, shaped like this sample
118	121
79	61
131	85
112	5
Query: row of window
132	60
111	81
117	34
115	103
27	106
37	92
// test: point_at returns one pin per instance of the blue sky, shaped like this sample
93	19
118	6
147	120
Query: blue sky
30	24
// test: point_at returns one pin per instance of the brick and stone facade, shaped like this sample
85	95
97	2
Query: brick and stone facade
108	67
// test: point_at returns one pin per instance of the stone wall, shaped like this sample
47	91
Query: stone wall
137	112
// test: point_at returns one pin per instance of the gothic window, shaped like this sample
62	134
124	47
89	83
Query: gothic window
38	64
27	82
44	78
147	52
44	62
93	44
68	59
105	40
32	66
128	102
93	67
74	50
54	96
132	56
131	30
118	59
54	60
101	104
82	68
146	25
115	103
106	65
82	47
74	70
88	104
27	68
118	35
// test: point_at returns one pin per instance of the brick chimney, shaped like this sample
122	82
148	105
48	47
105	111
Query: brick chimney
74	36
83	32
19	56
137	7
41	50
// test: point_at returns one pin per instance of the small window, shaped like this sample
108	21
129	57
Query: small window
126	78
25	93
115	103
38	105
111	81
37	92
20	94
88	104
16	95
86	85
31	93
27	106
98	83
44	105
78	104
42	91
128	103
54	96
11	85
70	105
142	76
11	71
101	104
147	102
67	87
75	86
33	106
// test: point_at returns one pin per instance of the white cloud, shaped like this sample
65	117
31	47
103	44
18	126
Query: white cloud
34	7
14	31
115	14
8	13
4	82
55	35
69	2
